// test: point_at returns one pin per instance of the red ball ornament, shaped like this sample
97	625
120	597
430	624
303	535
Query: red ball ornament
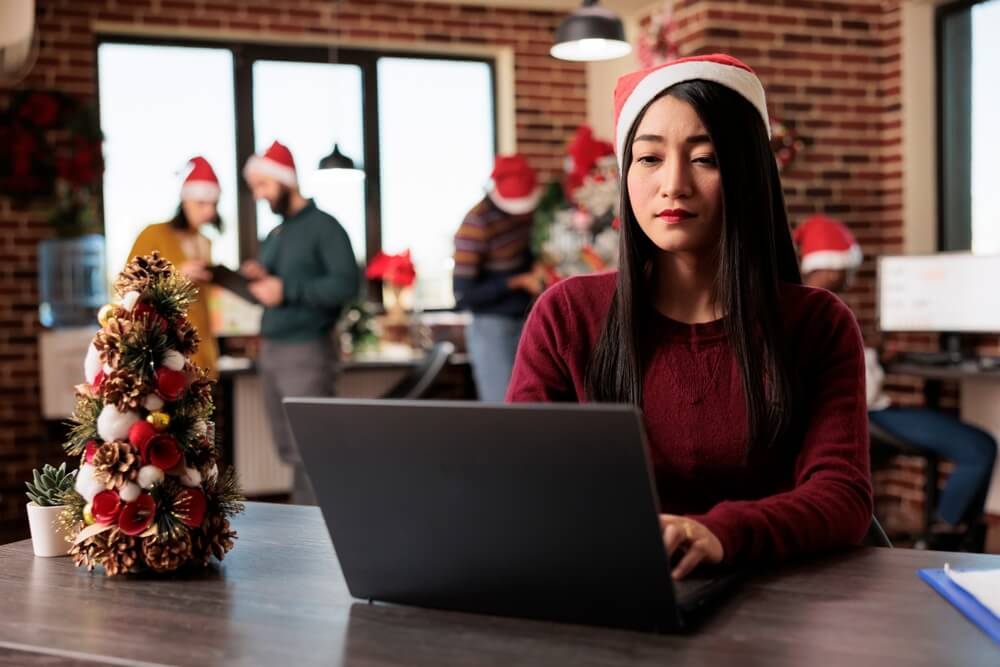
106	506
90	451
147	312
170	384
140	434
162	451
137	516
190	506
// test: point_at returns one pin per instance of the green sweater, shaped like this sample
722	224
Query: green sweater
312	255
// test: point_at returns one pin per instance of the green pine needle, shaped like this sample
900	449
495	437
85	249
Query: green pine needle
83	424
171	294
142	349
224	495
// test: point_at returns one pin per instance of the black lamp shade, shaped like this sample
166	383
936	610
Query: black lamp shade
336	160
590	33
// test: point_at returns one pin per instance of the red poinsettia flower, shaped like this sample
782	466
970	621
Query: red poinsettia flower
137	515
170	384
394	269
162	451
190	506
106	506
41	109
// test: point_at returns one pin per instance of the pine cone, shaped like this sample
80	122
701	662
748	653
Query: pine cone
124	390
199	393
214	538
140	272
187	337
122	553
116	463
91	552
164	553
109	340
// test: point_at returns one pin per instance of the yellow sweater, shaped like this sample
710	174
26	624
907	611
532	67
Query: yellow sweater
167	240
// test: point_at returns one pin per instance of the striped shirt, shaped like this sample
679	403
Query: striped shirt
490	247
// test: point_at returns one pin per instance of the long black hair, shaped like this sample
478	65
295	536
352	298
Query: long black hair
755	254
180	221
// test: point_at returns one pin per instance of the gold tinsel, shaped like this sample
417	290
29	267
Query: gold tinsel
140	272
165	553
108	340
125	390
116	463
214	538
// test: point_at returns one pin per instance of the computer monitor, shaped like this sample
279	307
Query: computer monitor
946	292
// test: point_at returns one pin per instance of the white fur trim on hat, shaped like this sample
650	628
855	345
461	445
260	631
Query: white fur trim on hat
835	260
515	205
279	172
200	191
743	82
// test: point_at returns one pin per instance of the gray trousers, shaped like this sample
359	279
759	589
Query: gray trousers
294	369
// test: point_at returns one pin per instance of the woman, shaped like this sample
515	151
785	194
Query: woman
751	385
180	241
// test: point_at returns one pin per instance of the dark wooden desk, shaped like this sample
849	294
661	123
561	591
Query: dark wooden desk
279	599
934	376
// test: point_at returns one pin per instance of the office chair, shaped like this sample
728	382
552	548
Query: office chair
419	381
891	444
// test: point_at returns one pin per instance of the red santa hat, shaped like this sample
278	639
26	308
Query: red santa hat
276	162
514	187
637	89
201	183
825	243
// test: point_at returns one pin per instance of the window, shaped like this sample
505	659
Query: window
160	106
308	107
436	153
422	127
968	136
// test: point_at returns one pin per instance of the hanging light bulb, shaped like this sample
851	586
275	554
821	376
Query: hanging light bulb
590	33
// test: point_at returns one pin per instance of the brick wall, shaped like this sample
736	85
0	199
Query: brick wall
550	104
832	70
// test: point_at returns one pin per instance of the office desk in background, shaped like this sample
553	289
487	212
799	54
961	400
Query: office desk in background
280	599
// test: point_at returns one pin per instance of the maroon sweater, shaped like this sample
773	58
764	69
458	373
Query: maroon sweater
808	493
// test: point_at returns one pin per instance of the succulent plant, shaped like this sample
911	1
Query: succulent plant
49	485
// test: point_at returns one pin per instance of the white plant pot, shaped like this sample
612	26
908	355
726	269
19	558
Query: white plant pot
48	538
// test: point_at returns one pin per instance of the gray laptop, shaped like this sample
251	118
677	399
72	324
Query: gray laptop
538	511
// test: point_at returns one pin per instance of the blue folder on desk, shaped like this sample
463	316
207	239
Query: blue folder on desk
963	601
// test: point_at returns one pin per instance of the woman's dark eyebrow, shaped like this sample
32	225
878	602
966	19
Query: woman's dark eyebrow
695	139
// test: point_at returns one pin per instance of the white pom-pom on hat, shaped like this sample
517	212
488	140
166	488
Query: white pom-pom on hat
113	424
174	360
150	476
87	484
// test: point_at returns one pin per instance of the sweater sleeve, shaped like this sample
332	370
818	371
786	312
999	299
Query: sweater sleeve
340	282
830	504
473	289
541	374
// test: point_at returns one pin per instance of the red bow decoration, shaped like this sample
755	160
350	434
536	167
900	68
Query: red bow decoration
397	270
584	151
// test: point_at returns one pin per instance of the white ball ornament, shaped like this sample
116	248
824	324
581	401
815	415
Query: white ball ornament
130	492
190	477
153	403
87	484
174	360
112	424
91	364
150	476
129	300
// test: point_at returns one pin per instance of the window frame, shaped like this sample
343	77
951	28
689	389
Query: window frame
245	54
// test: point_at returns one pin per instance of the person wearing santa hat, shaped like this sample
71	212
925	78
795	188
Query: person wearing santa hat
306	274
830	256
494	276
751	386
181	242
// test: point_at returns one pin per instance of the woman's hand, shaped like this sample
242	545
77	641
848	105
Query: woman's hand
527	282
253	269
196	271
699	543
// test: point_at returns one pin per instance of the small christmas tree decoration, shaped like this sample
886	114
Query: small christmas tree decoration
149	494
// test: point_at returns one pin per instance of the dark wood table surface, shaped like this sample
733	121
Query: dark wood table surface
280	599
